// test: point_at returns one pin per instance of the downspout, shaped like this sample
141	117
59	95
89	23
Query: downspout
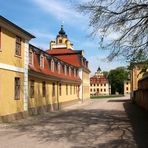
58	95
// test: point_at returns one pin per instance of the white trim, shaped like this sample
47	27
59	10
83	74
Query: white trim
26	61
59	46
11	68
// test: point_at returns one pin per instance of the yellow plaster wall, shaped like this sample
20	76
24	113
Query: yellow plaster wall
7	56
69	97
127	84
135	77
86	91
39	100
63	40
8	104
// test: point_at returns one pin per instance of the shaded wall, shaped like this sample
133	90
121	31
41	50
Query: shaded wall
141	95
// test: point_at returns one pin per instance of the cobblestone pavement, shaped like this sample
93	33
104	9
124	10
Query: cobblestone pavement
103	123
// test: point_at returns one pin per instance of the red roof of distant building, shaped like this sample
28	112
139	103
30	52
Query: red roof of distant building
98	79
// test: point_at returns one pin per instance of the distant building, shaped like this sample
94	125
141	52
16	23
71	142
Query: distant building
127	87
99	85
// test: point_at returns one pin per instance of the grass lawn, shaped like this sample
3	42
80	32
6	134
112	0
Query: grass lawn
110	96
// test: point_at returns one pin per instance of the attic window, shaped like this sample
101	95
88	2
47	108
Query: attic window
41	61
52	65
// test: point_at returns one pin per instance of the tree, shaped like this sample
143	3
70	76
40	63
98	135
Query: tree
106	73
127	20
116	78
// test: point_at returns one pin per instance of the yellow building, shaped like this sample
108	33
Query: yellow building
13	68
127	87
33	80
136	73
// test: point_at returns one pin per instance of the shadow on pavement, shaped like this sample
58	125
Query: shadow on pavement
139	121
90	128
121	100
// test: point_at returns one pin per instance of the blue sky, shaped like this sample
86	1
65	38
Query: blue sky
43	18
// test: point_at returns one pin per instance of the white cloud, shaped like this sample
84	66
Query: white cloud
63	11
100	60
42	34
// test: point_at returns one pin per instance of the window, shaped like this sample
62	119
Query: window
104	84
41	61
43	88
65	70
60	41
66	89
30	57
53	89
127	88
17	88
97	84
71	89
18	46
32	89
94	90
94	85
72	72
58	68
60	89
101	90
104	90
91	90
97	90
76	72
69	70
52	66
101	84
90	84
126	83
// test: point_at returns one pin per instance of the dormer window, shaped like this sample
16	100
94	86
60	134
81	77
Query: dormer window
52	65
65	70
76	72
58	68
30	57
69	70
41	61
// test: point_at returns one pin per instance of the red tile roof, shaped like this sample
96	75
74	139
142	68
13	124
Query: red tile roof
98	79
46	70
67	55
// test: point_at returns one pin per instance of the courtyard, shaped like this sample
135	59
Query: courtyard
97	123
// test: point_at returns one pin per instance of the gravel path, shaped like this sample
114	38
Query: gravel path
98	123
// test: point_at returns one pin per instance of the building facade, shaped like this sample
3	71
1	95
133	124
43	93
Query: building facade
99	85
127	87
33	80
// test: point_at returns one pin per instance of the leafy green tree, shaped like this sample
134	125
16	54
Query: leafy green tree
106	73
116	78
